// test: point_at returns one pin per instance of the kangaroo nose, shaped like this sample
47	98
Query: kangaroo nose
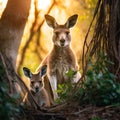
37	89
62	40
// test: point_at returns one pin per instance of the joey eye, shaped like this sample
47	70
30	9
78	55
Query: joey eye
32	82
40	81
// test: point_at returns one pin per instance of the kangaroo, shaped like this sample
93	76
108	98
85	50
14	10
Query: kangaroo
61	58
37	85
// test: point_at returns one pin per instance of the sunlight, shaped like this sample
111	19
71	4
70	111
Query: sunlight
42	4
2	6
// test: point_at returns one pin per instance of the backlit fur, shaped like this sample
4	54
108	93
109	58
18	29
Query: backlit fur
61	58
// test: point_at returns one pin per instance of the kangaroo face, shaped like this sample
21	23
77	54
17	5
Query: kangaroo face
36	80
36	83
61	33
61	36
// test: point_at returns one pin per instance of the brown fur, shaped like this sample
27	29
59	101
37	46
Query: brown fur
37	86
48	88
61	58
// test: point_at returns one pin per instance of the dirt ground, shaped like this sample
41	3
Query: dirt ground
69	112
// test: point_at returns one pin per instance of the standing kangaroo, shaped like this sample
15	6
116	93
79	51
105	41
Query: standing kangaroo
61	58
37	86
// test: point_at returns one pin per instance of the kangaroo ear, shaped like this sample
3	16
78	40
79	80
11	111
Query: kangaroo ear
71	21
27	72
43	70
51	21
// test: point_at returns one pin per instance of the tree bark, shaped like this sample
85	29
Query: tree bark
12	24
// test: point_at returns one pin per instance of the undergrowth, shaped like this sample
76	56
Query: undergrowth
99	87
65	90
9	110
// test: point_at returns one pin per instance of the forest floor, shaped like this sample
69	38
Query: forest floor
73	112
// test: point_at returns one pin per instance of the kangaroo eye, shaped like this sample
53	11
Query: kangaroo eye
67	32
57	33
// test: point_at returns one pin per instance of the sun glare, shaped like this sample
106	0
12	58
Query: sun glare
42	4
2	5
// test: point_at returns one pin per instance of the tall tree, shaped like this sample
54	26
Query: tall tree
12	24
106	35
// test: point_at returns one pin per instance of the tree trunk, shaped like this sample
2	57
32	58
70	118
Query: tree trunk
12	24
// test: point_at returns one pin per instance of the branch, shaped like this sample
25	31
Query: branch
32	34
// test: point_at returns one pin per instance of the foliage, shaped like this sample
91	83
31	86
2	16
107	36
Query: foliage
8	107
104	34
65	90
96	118
100	87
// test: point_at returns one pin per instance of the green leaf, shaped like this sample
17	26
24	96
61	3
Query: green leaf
96	118
59	91
70	73
118	90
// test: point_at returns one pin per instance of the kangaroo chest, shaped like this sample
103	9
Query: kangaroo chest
61	62
60	71
39	97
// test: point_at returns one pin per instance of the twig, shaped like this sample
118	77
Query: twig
32	34
57	108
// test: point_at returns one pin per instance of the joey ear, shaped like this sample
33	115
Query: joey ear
27	72
71	21
43	70
51	21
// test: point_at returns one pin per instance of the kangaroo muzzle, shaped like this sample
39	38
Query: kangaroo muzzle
62	42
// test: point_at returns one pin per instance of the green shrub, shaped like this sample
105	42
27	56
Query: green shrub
96	118
100	87
65	90
8	106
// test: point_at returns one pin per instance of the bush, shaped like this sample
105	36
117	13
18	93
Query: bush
65	90
8	107
100	87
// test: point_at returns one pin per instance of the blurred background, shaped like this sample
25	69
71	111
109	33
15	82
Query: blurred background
37	39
